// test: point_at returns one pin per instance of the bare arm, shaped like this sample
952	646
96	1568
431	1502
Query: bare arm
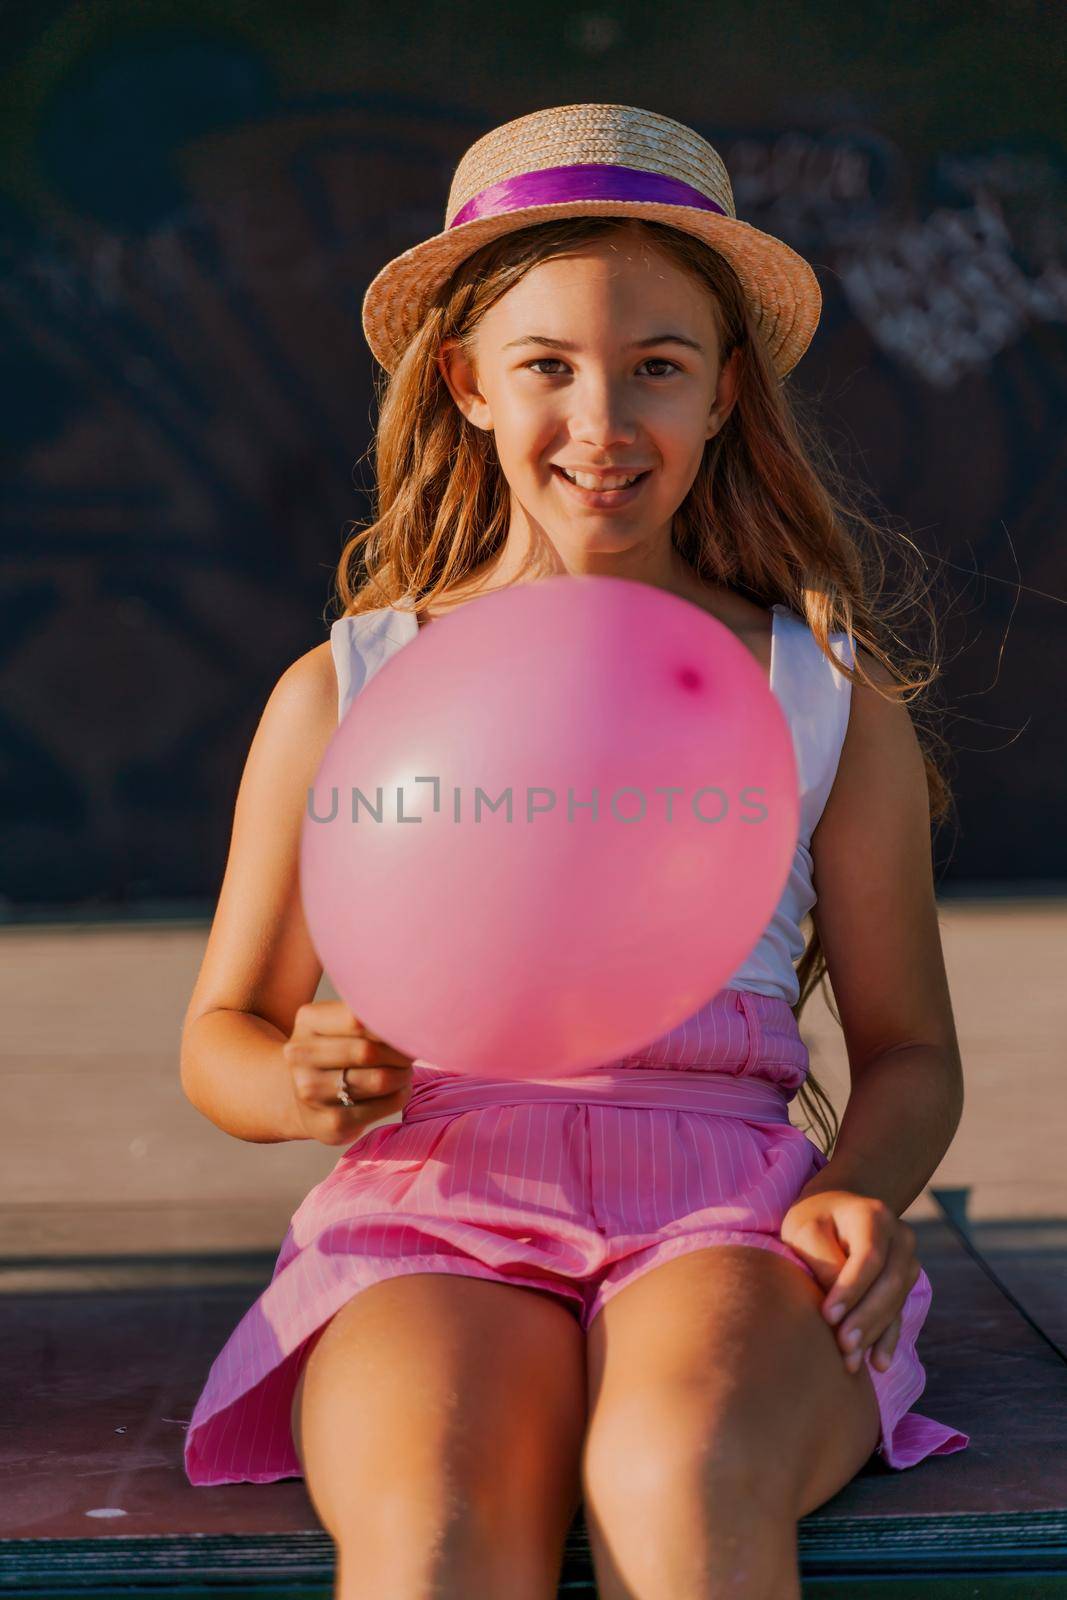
876	916
260	966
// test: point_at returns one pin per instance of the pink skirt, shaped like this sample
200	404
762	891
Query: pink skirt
572	1186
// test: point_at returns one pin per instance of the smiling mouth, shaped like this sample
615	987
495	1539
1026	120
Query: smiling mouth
611	483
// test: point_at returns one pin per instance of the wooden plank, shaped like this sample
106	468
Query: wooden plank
1019	1233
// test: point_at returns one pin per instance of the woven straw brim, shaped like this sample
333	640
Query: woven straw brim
781	287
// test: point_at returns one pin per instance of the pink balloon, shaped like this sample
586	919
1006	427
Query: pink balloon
556	939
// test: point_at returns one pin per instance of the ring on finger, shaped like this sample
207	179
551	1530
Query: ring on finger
342	1090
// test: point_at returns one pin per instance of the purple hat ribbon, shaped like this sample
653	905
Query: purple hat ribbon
589	181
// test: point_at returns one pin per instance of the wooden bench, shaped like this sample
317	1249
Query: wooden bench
103	1359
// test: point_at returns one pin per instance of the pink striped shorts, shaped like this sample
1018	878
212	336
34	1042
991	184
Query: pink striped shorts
570	1186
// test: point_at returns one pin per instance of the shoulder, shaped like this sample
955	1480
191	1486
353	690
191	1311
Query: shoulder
872	704
290	740
881	756
301	711
308	685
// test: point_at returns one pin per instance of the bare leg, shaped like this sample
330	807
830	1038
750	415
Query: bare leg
721	1412
439	1420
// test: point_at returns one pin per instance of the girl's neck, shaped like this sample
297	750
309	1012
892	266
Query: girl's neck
496	573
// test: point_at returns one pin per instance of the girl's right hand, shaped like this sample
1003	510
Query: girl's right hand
326	1040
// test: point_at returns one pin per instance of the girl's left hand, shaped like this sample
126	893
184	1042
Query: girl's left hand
864	1256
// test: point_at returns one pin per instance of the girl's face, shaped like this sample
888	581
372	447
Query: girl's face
603	361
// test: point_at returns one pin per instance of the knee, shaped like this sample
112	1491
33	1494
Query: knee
656	1453
438	1504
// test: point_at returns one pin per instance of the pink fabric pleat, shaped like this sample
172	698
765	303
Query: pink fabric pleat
574	1186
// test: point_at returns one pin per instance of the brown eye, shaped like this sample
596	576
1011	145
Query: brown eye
653	361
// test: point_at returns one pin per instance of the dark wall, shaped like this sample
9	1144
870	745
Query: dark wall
195	198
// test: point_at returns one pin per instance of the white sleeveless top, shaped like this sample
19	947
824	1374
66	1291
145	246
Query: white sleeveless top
814	698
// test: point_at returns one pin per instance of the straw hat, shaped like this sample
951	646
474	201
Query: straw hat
595	160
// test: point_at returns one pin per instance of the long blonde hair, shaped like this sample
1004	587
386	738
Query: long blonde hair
768	514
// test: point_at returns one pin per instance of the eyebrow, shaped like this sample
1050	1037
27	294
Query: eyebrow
636	344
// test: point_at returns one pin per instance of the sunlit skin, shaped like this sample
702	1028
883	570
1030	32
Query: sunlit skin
610	399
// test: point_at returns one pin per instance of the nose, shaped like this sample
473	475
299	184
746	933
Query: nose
601	414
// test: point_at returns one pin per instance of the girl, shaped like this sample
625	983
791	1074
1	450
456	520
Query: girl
642	1290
